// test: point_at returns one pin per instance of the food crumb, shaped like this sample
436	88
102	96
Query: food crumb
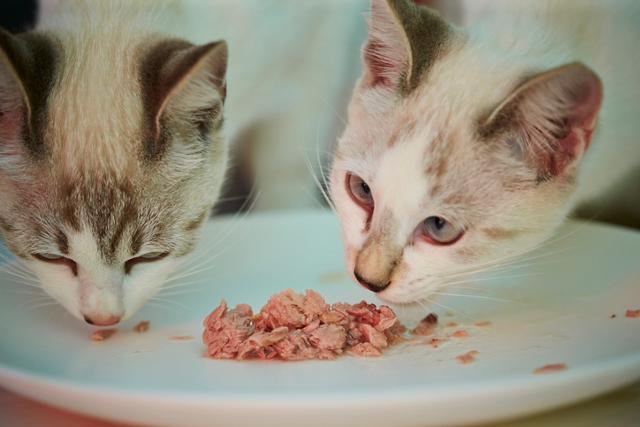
451	325
181	338
102	334
613	316
547	369
426	325
632	314
460	333
468	357
435	342
483	323
142	327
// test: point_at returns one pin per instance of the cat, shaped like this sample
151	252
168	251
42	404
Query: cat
111	153
465	147
139	217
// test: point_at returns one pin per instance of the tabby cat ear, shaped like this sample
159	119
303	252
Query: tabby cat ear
552	115
185	83
404	40
14	102
28	66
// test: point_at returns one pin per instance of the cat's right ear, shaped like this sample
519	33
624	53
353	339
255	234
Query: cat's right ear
404	40
182	83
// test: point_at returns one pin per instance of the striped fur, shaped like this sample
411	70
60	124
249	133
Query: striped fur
100	166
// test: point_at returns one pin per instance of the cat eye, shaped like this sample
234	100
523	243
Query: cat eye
148	257
360	192
439	231
58	259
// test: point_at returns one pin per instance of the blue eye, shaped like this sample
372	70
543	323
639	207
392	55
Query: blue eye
360	192
439	231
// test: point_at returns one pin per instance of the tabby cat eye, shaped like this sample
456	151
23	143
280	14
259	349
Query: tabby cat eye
148	257
57	259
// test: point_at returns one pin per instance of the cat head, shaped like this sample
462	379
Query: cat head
454	155
110	160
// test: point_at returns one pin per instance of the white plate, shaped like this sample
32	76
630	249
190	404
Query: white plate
560	316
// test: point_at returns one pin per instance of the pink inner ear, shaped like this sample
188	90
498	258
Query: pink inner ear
386	53
10	125
587	101
379	66
561	111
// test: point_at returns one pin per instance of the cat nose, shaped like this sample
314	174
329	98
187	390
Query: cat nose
372	286
102	321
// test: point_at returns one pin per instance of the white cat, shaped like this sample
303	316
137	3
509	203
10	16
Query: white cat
465	146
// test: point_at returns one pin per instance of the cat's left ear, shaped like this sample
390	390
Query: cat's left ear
404	40
183	83
552	117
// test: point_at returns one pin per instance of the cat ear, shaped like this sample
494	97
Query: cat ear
183	82
14	103
28	65
553	116
404	40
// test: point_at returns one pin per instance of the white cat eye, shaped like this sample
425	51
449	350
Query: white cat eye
58	259
359	191
439	231
148	257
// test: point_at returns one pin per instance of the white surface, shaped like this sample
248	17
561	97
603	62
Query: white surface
561	315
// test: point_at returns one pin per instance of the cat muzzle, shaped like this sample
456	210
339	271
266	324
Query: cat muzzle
102	320
371	285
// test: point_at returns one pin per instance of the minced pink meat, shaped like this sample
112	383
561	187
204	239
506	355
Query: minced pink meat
426	326
292	326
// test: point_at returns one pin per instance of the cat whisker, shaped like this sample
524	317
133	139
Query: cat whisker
15	264
316	180
312	196
197	261
190	273
20	276
476	296
20	283
444	306
42	305
239	218
501	263
170	302
493	278
180	292
182	285
26	292
325	188
12	267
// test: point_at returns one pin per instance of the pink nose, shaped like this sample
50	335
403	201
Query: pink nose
102	321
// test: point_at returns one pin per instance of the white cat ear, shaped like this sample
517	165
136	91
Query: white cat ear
183	83
552	115
404	40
